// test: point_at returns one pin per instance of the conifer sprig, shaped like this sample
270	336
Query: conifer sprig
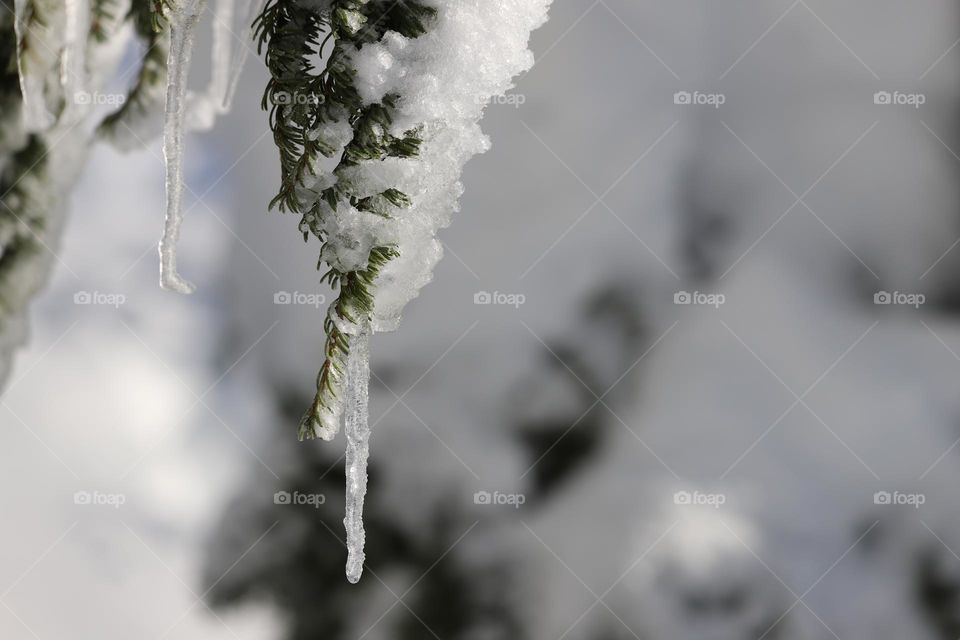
23	209
101	14
301	100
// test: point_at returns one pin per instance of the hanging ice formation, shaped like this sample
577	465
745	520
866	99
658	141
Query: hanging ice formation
183	18
187	110
357	428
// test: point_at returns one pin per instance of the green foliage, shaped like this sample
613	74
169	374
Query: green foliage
23	210
21	201
156	10
300	100
10	99
101	15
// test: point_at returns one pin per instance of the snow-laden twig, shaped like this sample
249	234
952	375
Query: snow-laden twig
45	77
397	107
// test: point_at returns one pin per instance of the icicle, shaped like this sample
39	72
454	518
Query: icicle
255	9
32	26
73	68
222	50
203	109
357	430
182	21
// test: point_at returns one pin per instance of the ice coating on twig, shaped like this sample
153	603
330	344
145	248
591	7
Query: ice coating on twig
37	25
357	430
182	22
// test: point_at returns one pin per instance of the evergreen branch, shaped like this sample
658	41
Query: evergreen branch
11	100
101	15
303	105
354	300
159	11
25	195
23	209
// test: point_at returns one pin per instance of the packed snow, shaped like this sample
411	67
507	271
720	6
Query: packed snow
445	79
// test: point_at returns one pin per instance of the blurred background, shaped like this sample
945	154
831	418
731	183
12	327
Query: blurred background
688	370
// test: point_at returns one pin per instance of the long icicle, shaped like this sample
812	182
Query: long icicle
182	22
73	65
357	430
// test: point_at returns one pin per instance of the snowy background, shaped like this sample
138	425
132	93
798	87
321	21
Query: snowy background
584	457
